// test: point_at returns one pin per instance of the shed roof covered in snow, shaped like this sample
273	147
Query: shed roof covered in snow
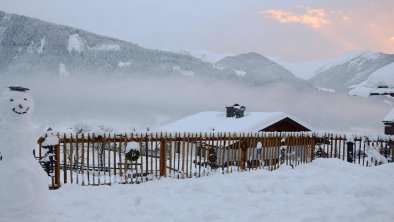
389	117
251	122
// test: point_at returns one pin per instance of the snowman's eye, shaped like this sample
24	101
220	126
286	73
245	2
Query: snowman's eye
11	100
25	99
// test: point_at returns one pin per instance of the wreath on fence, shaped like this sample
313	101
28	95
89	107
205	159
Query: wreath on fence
133	155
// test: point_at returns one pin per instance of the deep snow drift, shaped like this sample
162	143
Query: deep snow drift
324	190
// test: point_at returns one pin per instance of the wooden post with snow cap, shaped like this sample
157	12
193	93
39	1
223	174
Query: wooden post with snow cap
163	157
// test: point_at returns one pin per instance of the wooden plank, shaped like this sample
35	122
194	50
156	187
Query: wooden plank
71	159
205	152
288	149
187	154
183	155
228	146
76	164
200	150
109	159
278	152
222	149
332	145
264	149
121	171
88	158
304	145
93	158
313	144
363	145
126	164
146	156
216	154
359	150
152	154
295	150
238	152
103	157
57	165
64	160
392	150
141	159
83	159
99	164
344	150
253	143
234	151
163	157
114	143
177	153
269	152
191	155
244	152
169	141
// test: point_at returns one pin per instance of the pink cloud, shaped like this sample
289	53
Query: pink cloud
313	17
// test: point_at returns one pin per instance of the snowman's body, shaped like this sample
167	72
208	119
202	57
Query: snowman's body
23	183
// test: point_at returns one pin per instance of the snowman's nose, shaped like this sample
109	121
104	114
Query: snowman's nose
20	106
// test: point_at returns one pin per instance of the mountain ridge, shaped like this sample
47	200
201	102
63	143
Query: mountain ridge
33	46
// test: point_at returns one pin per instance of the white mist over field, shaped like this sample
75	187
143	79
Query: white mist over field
151	102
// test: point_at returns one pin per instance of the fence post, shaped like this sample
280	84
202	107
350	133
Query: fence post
313	144
163	157
57	166
244	149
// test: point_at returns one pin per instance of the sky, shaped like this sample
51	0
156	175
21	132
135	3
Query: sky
292	30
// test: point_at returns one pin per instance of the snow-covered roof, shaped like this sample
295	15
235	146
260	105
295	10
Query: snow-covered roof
218	122
389	117
382	77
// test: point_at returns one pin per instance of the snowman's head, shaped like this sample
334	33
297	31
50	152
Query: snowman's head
16	105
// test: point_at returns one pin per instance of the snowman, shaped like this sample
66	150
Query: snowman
23	183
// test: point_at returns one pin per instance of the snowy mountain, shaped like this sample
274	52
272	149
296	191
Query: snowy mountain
32	46
349	69
257	68
205	56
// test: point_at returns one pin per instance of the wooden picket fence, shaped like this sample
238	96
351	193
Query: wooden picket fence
128	158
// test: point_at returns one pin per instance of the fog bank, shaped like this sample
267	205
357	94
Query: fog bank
150	102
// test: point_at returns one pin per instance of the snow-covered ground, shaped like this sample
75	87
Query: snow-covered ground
325	190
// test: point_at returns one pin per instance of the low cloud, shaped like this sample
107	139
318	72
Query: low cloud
152	102
315	18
